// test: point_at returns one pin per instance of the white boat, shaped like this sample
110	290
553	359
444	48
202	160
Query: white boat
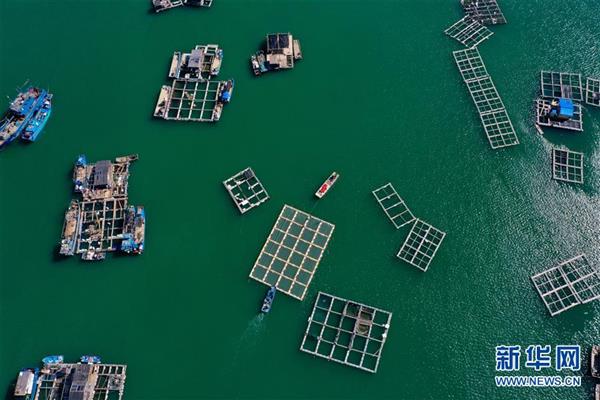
327	185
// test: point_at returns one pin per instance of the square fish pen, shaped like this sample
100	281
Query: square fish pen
192	100
421	245
393	205
542	115
592	90
292	252
567	165
470	64
246	190
468	32
568	284
561	84
346	332
486	12
101	226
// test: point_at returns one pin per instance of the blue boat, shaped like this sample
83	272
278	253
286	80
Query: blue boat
226	90
26	386
18	115
134	230
90	359
39	118
80	173
268	301
52	360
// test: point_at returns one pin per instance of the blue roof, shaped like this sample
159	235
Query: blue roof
567	108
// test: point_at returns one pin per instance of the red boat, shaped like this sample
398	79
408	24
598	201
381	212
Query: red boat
327	185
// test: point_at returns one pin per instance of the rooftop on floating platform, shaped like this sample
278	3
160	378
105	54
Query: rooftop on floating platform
543	108
561	84
105	179
568	284
392	204
567	165
469	32
346	332
292	252
189	101
494	117
282	50
486	12
592	90
202	63
81	381
421	245
246	190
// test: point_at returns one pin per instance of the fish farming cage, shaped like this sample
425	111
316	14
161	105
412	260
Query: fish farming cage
487	12
101	225
561	84
346	332
193	100
543	108
592	90
469	32
292	252
567	165
246	190
568	284
496	123
392	204
421	245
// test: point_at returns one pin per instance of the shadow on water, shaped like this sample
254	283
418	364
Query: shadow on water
8	395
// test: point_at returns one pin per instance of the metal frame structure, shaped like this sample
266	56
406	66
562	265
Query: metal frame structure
469	32
246	190
561	84
101	225
592	90
567	165
209	54
421	245
292	252
346	332
192	100
486	12
496	123
392	204
570	283
542	109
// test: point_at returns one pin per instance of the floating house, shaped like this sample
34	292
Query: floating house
559	104
281	51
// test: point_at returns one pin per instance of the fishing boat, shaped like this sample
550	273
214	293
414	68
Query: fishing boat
39	118
18	115
68	240
258	63
226	90
215	66
327	185
26	386
135	230
268	301
52	360
80	173
90	359
595	361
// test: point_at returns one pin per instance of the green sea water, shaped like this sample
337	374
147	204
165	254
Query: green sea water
377	98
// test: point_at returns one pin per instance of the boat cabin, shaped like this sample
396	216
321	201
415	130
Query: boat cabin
24	384
103	174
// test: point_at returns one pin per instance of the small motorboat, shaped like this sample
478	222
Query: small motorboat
52	360
90	359
268	301
327	185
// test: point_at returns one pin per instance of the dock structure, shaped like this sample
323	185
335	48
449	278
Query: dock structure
487	12
469	32
543	115
82	381
561	84
292	253
567	165
421	245
496	122
392	204
95	224
570	283
163	5
346	332
202	63
246	190
592	92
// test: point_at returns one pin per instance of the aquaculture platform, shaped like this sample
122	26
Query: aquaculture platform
96	224
421	245
487	12
281	51
567	165
592	91
346	332
469	32
392	204
543	115
246	190
202	63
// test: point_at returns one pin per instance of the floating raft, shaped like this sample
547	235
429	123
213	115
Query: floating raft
292	252
567	165
246	190
469	32
542	112
592	91
190	101
392	204
496	122
202	63
421	245
486	12
346	332
561	84
568	284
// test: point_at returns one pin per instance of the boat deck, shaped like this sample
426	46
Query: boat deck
592	90
246	190
346	332
163	5
469	32
486	12
561	84
421	245
392	204
567	165
543	107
